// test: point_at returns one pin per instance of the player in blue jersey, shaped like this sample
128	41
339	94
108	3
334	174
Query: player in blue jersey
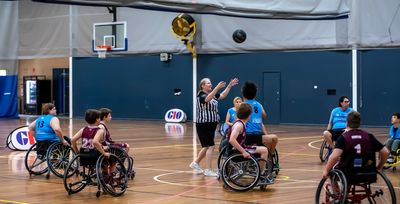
46	129
256	133
392	143
229	120
231	114
337	120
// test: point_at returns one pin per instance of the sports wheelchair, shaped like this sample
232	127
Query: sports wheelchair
108	174
361	184
125	159
324	151
242	174
395	163
223	130
223	154
48	157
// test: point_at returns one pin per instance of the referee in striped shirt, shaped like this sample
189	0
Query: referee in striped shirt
207	120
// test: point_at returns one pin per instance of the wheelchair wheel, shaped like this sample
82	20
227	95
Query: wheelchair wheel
324	151
275	162
76	177
222	129
240	174
58	157
34	163
332	189
125	159
112	175
221	158
381	191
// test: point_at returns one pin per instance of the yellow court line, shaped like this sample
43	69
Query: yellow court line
11	202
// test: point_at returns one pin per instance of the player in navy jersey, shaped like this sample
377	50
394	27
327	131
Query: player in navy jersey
46	129
392	143
337	120
255	129
358	144
92	137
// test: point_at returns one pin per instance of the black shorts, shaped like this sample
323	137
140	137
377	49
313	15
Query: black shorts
206	133
42	147
89	156
252	140
336	133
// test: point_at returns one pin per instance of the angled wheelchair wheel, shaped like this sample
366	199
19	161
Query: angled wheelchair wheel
221	158
240	174
275	162
324	151
76	176
381	191
112	175
222	129
34	163
58	157
332	189
125	159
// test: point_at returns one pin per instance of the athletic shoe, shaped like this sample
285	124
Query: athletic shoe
195	166
208	172
390	160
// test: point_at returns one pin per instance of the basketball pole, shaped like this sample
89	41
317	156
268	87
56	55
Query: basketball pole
192	49
354	79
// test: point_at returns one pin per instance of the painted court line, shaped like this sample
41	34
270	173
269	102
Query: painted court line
11	202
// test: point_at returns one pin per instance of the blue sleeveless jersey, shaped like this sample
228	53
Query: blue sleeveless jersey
254	125
339	117
232	114
394	135
44	130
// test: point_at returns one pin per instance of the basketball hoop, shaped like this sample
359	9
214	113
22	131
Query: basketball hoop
102	50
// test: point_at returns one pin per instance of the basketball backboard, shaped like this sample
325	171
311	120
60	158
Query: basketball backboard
112	34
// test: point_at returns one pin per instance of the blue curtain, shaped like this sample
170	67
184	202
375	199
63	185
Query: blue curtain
8	97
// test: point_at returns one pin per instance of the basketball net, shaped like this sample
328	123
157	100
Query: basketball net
102	50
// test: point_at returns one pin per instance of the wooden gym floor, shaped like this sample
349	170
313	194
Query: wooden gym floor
162	164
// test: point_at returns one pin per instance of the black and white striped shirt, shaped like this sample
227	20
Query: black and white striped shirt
207	111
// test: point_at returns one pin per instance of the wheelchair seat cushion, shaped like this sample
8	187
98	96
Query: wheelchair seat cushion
42	146
88	156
